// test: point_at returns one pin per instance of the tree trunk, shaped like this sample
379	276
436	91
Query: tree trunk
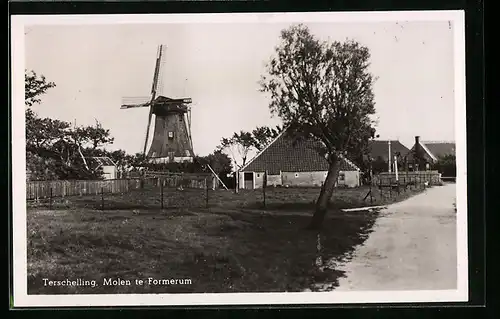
325	195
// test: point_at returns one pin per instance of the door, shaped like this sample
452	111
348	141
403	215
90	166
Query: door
248	177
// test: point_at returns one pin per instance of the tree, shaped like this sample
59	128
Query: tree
220	163
39	132
34	87
53	140
55	149
88	138
243	142
322	91
240	143
379	165
446	165
42	133
263	135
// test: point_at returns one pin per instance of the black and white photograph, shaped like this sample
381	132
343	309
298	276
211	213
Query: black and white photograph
239	159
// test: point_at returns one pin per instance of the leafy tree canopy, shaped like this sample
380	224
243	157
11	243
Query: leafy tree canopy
322	91
34	87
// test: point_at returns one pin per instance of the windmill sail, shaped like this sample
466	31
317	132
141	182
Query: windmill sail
135	101
158	73
161	71
153	92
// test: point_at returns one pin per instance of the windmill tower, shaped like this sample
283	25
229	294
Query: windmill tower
171	140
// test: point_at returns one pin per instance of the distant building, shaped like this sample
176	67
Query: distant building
430	151
383	151
109	168
293	165
380	149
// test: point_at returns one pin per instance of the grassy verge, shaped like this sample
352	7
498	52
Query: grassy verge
234	246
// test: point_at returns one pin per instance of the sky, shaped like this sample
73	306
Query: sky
219	65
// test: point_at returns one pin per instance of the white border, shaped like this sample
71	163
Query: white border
22	299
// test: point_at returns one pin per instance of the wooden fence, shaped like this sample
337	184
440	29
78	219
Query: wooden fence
186	180
48	189
60	188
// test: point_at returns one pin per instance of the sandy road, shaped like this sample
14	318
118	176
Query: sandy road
412	247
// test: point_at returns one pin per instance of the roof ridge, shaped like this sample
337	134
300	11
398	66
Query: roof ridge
349	162
427	150
439	142
263	150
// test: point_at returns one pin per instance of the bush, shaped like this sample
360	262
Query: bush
446	165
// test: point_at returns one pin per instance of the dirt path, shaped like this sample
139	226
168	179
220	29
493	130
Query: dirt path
412	247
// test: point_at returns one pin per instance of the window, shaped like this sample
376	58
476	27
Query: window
341	176
170	134
258	175
296	175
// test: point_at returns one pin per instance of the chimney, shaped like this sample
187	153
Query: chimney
417	144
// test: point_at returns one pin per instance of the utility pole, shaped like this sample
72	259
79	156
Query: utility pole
389	157
396	167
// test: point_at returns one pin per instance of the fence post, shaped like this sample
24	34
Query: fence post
161	191
50	199
371	196
380	186
206	193
102	198
390	188
236	181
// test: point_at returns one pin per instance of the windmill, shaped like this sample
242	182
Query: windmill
171	141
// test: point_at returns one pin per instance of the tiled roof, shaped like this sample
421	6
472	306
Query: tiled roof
439	149
380	148
283	155
434	150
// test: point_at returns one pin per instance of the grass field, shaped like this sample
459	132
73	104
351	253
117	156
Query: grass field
234	245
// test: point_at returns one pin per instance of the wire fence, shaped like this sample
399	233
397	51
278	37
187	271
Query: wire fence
164	191
392	184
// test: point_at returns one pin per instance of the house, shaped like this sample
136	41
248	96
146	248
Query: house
289	164
379	151
109	168
430	151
